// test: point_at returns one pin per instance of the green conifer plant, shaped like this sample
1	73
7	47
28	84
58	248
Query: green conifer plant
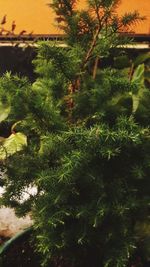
87	154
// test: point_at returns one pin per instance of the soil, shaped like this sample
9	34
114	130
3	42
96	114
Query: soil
22	253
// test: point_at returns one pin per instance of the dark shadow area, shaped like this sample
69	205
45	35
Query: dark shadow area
17	60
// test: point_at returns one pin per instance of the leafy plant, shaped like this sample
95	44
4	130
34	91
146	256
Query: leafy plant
12	144
137	69
87	153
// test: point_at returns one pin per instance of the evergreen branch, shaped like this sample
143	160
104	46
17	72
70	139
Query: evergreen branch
90	51
95	67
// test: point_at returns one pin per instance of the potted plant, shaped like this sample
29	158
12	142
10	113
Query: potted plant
76	138
19	250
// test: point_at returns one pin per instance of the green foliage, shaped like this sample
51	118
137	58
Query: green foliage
11	145
141	59
4	111
139	74
138	79
87	150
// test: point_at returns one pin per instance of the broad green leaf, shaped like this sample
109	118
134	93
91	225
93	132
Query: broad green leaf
141	59
138	76
4	111
138	79
118	99
135	99
12	144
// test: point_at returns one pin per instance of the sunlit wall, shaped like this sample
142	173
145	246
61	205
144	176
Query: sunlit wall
36	16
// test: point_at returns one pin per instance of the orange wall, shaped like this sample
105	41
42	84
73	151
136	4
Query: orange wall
143	6
35	15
